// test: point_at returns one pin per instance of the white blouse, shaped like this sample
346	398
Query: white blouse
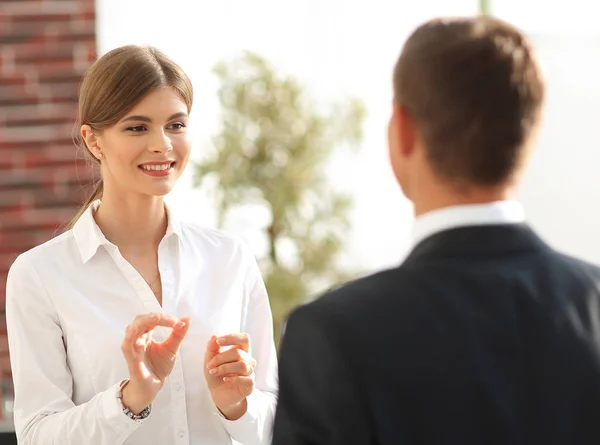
68	302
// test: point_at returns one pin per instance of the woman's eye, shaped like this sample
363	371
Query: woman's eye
177	126
137	128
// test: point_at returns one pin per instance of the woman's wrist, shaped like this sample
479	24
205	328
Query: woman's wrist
234	412
134	399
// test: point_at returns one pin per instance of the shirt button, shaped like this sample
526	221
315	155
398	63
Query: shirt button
182	434
177	386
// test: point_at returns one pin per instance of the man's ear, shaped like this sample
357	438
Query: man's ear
91	140
406	130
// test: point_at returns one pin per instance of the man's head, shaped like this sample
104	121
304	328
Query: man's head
468	98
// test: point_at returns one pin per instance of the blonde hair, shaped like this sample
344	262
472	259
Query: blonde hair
114	84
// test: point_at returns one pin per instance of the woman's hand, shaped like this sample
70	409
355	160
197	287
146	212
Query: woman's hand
230	373
149	362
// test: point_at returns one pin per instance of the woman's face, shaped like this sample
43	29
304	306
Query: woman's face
148	149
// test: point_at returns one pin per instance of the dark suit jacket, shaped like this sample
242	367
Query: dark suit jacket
484	335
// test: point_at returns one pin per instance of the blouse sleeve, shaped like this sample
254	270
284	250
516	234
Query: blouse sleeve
43	385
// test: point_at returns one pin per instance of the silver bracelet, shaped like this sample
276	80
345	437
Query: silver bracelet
135	417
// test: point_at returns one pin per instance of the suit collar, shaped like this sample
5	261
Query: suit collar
474	241
492	213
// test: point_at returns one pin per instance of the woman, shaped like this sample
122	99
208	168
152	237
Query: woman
133	327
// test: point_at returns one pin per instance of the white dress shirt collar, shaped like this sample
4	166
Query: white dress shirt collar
89	237
493	213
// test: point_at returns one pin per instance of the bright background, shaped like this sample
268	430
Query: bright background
348	47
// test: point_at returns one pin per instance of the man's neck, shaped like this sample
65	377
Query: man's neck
437	197
133	223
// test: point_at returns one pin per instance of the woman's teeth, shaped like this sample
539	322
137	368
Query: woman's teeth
156	167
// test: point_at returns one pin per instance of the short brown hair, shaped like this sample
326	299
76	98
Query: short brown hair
118	81
475	92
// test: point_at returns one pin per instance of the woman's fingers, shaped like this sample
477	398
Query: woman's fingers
234	361
240	340
245	384
229	356
174	340
241	368
145	323
138	333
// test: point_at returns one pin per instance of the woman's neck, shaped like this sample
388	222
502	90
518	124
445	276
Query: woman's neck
133	223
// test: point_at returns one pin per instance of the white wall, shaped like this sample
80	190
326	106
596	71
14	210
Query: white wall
340	47
561	191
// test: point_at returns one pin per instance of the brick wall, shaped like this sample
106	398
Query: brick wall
45	47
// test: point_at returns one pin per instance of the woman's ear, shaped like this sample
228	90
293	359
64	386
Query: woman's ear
91	140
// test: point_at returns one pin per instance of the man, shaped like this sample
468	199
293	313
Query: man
484	335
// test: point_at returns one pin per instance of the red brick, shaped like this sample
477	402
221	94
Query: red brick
31	223
50	68
45	48
37	158
85	53
40	18
59	77
47	159
7	62
11	199
21	179
34	146
13	93
15	160
37	30
38	133
12	224
59	91
76	34
6	260
24	100
5	365
8	81
41	10
18	35
32	178
25	115
57	46
39	199
40	54
51	216
16	244
88	16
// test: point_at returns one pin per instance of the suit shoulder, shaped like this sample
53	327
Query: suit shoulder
577	263
578	267
352	299
378	283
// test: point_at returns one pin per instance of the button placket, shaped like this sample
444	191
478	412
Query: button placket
180	420
135	280
166	258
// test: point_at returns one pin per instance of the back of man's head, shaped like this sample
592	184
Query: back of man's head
474	91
